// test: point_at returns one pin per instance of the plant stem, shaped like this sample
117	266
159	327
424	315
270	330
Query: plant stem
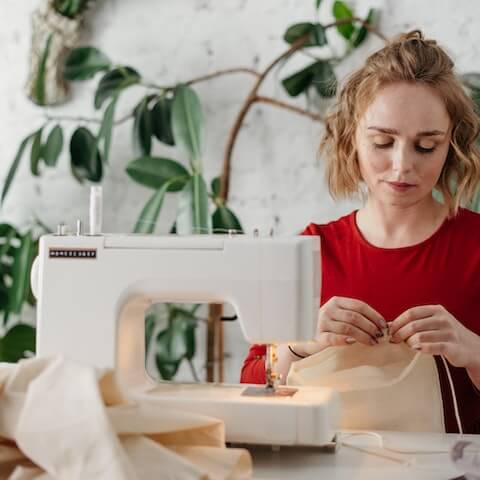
252	98
292	108
67	118
225	177
223	72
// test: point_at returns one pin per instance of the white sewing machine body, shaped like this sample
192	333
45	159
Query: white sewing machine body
93	291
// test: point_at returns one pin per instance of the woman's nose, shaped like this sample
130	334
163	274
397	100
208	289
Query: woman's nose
402	160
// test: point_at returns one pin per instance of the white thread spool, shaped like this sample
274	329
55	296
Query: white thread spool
96	209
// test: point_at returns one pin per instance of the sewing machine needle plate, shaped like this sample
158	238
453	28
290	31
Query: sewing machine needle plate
268	392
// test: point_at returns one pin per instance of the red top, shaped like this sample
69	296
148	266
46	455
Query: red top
443	269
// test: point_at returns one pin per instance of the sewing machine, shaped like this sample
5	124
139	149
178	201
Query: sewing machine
93	290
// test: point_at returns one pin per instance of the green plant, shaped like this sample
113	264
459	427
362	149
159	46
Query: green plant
17	251
71	8
172	114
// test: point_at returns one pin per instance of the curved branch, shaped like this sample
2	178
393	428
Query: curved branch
203	78
292	108
227	160
223	72
250	100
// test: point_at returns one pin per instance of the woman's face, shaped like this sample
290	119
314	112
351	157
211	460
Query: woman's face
402	143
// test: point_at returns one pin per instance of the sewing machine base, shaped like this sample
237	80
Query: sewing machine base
307	418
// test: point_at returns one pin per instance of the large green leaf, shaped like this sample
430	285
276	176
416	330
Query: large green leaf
36	152
192	215
324	79
162	120
215	185
175	343
223	220
16	342
150	321
320	74
113	82
15	164
360	33
187	123
86	163
153	172
53	146
315	32
342	11
105	133
71	8
142	129
39	85
148	217
299	82
22	263
9	243
84	62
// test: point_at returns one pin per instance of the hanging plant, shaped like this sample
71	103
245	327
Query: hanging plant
56	26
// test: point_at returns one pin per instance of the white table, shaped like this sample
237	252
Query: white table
349	463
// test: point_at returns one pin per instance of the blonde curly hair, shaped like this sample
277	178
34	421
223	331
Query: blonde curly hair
407	58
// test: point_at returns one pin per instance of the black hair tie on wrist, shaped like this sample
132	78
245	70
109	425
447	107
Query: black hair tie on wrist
295	353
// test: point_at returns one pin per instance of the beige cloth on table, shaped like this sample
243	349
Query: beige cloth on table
383	387
63	420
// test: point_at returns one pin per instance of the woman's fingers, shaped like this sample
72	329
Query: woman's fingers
363	308
357	320
414	327
347	330
336	340
349	321
411	315
435	336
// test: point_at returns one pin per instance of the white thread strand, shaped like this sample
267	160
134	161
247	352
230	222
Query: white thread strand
454	396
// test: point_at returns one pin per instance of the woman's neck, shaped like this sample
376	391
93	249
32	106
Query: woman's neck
392	226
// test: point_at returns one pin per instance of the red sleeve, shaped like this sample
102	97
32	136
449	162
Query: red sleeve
311	229
253	370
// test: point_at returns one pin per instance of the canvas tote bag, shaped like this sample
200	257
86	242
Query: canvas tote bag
384	387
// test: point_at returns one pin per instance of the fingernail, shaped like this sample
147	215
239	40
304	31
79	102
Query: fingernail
350	340
373	341
383	323
393	340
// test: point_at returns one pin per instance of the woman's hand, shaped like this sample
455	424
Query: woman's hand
343	321
432	329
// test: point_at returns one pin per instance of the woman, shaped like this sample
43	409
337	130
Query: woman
402	127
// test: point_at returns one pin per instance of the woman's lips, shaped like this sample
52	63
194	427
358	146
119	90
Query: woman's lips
400	186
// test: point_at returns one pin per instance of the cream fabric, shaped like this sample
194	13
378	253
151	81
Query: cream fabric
63	420
383	387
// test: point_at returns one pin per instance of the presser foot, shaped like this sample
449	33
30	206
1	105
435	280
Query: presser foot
267	391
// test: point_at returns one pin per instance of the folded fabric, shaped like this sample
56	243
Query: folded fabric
63	420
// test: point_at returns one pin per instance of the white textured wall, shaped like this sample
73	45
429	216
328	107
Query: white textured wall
275	178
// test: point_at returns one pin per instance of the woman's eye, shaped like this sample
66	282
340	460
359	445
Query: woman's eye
382	145
421	149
